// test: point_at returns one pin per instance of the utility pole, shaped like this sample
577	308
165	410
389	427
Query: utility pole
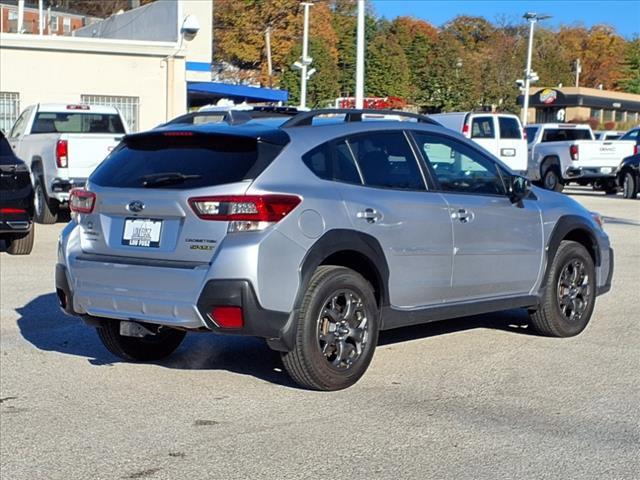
267	43
40	17
20	16
578	72
360	57
305	60
532	18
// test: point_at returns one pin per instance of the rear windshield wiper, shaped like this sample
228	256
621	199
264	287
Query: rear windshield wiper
166	178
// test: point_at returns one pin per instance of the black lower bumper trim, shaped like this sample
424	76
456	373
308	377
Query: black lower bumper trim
65	296
258	322
607	284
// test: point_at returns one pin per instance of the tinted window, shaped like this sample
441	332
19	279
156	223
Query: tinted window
482	127
75	122
531	133
631	135
332	161
211	160
386	160
459	168
565	134
509	127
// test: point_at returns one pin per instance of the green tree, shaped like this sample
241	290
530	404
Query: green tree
630	78
386	67
323	86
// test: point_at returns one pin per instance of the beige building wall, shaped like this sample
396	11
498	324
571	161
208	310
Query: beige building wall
199	49
61	69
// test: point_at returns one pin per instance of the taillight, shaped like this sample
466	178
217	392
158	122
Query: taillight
573	152
245	212
227	317
10	210
635	149
62	152
81	200
465	129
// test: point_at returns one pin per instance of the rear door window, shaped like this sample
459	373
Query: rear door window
482	127
509	127
157	161
76	122
386	160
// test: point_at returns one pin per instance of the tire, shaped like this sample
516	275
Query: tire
569	297
21	245
333	351
629	186
151	347
551	180
45	210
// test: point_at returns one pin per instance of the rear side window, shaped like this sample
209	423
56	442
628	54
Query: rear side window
386	160
185	162
565	134
332	161
76	122
482	127
509	127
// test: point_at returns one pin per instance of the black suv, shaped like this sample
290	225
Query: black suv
16	202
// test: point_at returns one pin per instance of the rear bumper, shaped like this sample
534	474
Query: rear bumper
590	172
15	223
60	187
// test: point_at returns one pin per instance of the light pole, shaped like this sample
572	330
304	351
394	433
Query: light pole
360	56
532	18
306	60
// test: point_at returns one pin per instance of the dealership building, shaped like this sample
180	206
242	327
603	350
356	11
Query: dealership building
578	104
151	62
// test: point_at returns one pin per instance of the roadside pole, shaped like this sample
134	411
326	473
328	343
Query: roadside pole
360	56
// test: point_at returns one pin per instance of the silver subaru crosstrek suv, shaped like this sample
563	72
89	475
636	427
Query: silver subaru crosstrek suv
315	234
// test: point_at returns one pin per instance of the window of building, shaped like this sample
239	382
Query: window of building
619	116
54	24
66	24
12	17
596	113
9	110
128	106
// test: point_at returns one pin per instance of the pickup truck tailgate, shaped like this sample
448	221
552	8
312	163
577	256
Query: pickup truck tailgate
85	151
603	154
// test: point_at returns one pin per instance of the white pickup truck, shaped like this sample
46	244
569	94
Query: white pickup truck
564	153
63	144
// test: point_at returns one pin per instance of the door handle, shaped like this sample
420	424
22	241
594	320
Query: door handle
463	215
370	215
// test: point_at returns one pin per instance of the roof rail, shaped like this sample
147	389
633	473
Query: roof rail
351	115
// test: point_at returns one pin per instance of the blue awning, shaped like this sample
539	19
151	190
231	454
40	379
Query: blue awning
200	93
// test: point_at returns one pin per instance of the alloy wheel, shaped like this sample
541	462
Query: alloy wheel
573	290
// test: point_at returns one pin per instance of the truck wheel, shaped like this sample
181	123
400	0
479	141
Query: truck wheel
569	297
21	245
629	186
150	347
552	180
46	210
337	331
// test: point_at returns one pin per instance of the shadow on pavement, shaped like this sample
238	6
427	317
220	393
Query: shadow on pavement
44	325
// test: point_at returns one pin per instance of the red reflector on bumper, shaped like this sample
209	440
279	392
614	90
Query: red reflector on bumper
227	317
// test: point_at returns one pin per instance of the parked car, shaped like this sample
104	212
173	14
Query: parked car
62	144
634	136
316	236
16	202
607	134
564	153
629	176
501	134
236	113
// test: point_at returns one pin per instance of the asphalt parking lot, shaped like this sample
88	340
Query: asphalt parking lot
474	398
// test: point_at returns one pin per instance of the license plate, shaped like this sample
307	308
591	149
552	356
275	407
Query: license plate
142	232
606	170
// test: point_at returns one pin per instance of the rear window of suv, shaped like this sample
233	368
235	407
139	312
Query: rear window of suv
75	122
179	162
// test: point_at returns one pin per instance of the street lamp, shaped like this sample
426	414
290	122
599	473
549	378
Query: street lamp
532	18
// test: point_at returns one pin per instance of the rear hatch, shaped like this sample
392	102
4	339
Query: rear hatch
142	193
606	154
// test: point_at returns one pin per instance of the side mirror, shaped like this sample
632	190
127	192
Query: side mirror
519	188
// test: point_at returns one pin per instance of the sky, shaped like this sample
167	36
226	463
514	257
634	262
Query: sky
623	15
